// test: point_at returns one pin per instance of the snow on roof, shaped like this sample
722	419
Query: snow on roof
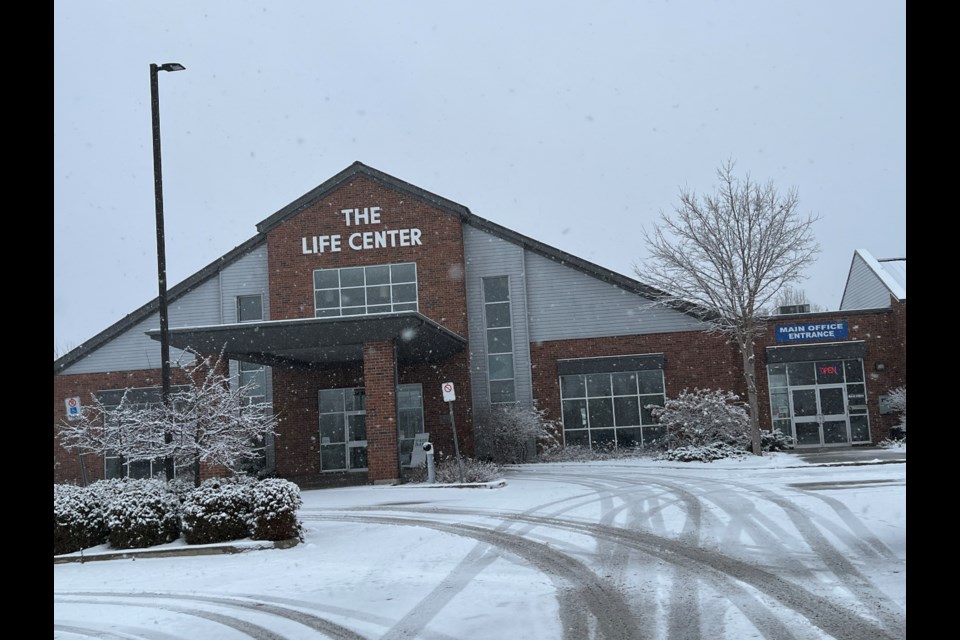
891	271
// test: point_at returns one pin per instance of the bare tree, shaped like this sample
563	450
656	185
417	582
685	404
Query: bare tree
792	296
730	253
211	420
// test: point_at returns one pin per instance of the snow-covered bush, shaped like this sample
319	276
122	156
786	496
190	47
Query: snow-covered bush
77	519
703	453
898	403
217	511
448	472
775	440
105	491
275	505
702	417
504	431
580	453
144	514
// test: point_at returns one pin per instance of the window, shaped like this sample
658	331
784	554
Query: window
353	291
409	418
249	308
115	466
611	409
499	336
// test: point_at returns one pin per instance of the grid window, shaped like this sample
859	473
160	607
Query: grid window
499	335
359	291
611	409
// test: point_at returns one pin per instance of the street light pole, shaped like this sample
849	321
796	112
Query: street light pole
161	251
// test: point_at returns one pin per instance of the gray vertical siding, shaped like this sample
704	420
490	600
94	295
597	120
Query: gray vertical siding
565	303
865	289
486	255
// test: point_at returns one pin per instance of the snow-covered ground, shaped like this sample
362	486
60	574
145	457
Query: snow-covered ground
758	548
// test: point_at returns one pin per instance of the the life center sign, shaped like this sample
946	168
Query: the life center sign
811	331
362	240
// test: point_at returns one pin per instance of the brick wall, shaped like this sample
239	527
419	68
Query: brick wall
691	359
884	333
441	288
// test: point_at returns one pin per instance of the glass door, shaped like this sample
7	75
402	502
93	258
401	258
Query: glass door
343	430
820	415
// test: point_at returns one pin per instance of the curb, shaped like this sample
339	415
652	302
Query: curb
199	550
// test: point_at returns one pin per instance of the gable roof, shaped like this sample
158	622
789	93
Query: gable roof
358	169
891	272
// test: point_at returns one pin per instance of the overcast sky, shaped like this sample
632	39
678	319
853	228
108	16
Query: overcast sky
575	123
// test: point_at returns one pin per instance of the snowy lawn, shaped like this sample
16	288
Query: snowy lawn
765	548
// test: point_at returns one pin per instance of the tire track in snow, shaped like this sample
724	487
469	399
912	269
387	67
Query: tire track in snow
330	629
610	615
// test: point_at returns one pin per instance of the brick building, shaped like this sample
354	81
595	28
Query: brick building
352	305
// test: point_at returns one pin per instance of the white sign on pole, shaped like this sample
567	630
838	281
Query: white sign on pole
73	408
449	393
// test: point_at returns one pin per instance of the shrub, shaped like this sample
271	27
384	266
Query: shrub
580	453
898	402
217	511
703	417
775	440
275	505
703	453
77	519
448	472
144	514
504	431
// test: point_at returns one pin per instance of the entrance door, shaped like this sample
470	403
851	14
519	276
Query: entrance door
343	430
820	415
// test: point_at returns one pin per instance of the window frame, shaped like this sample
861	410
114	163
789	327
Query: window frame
394	287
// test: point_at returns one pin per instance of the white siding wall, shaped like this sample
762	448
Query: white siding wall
486	256
566	303
865	289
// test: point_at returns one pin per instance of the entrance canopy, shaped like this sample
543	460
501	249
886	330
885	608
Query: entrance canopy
315	342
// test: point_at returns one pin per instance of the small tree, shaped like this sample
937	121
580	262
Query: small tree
503	432
730	253
211	420
790	296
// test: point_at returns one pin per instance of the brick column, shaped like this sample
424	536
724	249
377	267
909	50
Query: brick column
379	382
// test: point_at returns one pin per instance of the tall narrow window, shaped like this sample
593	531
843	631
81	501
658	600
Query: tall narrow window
497	324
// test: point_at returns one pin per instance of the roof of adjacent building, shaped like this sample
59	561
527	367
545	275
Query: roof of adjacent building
354	170
883	274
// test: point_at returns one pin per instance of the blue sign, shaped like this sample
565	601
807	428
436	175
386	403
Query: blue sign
811	331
